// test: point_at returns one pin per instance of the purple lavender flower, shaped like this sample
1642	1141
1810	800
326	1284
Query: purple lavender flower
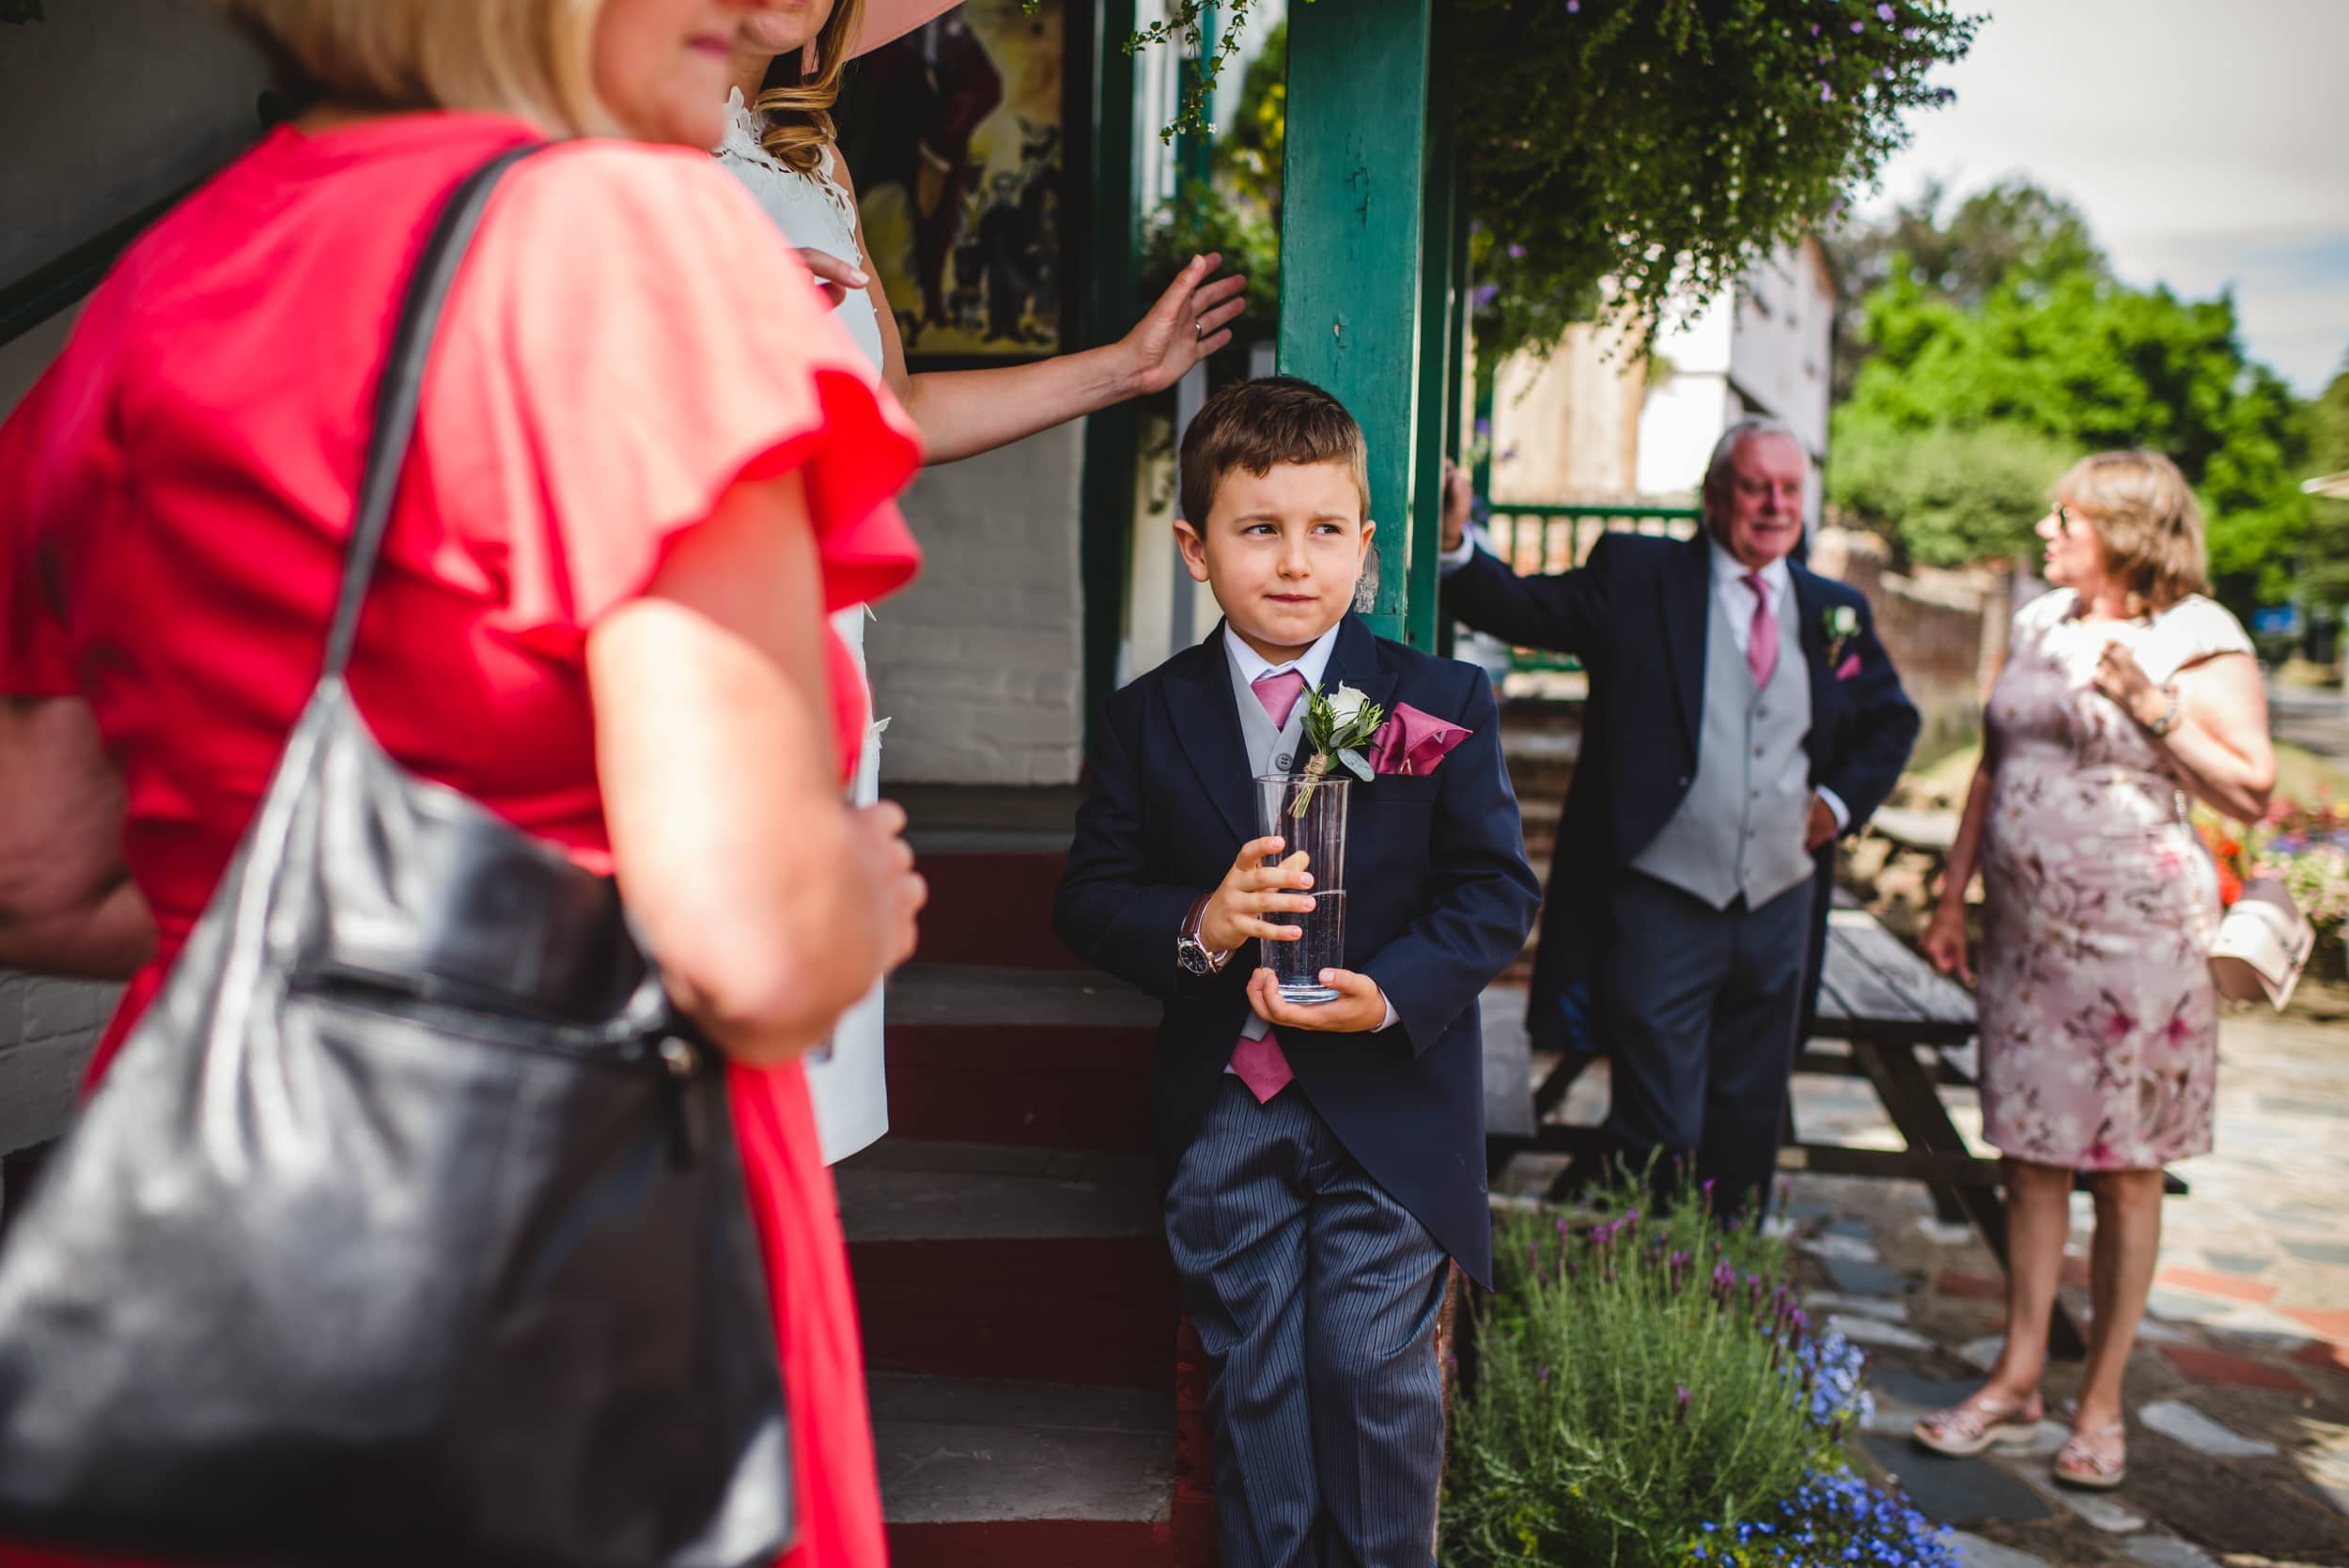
1859	26
1826	94
1486	293
1542	1376
1886	13
1682	1417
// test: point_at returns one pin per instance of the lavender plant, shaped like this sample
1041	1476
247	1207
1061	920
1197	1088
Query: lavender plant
1640	1379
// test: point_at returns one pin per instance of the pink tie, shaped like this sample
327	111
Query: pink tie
1278	693
1761	648
1259	1062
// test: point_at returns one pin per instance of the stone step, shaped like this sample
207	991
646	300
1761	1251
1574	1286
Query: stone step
1007	1262
1004	1474
993	1053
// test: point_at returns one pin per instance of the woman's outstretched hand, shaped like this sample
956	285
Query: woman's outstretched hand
834	278
1191	321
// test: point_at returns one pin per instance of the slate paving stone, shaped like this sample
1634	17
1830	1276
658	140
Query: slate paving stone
1856	1230
1856	1277
2099	1509
1875	1331
2245	1264
1955	1491
2168	1552
2285	1105
1848	1248
1968	1285
1917	1389
1866	1306
1943	1233
2329	1255
2180	1422
1807	1208
2333	1496
1974	1552
1983	1352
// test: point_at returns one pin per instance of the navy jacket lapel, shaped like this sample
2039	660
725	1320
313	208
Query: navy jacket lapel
1354	661
1810	605
1206	725
1687	615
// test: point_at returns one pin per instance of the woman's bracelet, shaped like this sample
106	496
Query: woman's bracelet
2160	727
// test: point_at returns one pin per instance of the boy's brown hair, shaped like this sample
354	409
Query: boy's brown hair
1254	425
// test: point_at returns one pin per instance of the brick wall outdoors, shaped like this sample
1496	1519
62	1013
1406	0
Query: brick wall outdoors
979	666
1946	632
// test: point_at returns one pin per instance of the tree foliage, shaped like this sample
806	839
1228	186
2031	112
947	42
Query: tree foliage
2058	357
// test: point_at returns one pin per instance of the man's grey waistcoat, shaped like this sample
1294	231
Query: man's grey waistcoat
1741	828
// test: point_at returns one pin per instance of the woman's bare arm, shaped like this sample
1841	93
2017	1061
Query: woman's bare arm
769	903
66	903
1944	941
2221	745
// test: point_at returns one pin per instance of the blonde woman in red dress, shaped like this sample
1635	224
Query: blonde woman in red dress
601	609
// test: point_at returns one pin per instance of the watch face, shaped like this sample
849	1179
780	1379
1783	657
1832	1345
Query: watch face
1192	957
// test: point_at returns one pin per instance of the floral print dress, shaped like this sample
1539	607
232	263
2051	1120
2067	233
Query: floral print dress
2099	1023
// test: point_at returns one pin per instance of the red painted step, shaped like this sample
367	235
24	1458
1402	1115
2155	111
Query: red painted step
975	1261
993	857
987	1054
979	1474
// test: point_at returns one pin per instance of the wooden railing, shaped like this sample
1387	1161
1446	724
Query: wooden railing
1544	537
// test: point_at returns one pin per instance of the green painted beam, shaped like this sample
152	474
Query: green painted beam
1113	251
1440	211
1352	249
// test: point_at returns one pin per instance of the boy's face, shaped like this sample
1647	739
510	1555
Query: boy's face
1282	552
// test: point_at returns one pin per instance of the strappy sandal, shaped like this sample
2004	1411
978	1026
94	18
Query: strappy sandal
1967	1429
2094	1461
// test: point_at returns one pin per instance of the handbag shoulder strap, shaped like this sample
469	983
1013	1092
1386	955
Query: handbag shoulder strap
399	392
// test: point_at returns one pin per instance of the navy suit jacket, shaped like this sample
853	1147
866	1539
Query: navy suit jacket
1637	614
1439	899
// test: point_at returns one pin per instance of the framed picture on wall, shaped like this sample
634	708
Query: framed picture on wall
958	134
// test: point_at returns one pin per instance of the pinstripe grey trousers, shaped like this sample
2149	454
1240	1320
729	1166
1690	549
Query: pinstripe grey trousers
1315	1296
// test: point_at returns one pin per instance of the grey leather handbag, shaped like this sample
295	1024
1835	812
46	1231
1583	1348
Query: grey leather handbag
409	1227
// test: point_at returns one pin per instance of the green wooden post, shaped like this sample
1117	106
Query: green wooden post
1114	246
1194	151
1422	591
1352	250
1455	360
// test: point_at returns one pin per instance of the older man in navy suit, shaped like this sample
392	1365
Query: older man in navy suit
1742	714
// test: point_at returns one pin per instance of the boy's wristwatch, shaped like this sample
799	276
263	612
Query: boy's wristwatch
1190	954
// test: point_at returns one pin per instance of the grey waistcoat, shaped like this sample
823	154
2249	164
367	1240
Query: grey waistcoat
1270	751
1741	828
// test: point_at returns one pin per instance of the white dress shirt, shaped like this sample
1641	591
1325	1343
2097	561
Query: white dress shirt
1312	664
1729	586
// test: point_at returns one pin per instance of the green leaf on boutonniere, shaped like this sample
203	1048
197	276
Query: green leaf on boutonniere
1357	763
1335	726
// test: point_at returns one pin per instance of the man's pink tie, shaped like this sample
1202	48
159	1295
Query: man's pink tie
1259	1062
1762	647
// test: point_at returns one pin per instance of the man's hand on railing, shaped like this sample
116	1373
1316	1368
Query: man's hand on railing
1458	496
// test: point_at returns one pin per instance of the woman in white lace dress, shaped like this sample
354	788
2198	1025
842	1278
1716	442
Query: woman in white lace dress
780	143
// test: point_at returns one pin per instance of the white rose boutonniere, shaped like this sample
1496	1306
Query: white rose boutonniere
1843	624
1336	727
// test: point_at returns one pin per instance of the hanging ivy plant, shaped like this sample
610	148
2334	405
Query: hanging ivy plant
1628	155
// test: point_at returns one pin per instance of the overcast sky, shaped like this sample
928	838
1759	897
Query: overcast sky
2208	144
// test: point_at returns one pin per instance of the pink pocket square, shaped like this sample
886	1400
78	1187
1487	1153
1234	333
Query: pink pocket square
1848	668
1411	742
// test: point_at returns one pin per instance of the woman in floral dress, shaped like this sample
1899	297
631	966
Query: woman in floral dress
2125	692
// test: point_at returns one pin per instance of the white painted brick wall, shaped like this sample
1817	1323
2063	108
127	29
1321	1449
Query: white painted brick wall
979	666
47	1030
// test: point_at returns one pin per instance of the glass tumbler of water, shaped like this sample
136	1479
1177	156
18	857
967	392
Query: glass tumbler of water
1308	815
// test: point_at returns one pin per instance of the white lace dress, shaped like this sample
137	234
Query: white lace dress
846	1084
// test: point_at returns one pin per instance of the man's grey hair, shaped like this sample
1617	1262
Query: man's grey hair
1725	451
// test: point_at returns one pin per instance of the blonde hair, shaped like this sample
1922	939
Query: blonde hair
527	57
799	116
2147	521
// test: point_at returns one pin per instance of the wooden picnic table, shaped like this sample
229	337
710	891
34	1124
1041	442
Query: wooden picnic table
1885	1015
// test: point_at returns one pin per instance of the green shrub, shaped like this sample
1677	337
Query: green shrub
1640	1382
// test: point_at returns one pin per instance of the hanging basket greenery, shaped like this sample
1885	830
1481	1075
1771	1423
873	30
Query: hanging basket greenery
1627	155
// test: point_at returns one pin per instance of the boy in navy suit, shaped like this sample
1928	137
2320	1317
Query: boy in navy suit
1320	1162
